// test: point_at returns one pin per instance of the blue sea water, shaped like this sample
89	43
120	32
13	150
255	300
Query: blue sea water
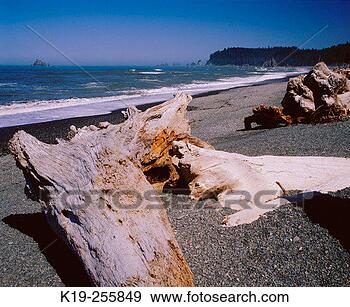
34	94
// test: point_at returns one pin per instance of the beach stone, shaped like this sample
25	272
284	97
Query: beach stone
296	239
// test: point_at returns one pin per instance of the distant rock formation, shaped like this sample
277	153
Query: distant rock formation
39	62
323	95
281	56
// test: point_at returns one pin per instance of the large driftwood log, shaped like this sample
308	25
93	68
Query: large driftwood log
256	185
127	245
120	243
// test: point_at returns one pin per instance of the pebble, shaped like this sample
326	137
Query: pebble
296	239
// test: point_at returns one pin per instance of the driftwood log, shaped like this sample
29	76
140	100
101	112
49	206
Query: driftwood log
92	191
323	95
98	189
267	117
256	185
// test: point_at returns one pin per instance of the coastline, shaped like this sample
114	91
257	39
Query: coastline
48	131
285	248
228	134
31	112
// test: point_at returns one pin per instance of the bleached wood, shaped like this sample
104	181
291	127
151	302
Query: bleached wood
117	246
230	176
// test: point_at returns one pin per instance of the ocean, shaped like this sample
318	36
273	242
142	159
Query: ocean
37	94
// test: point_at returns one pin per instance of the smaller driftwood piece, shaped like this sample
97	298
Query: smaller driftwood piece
323	95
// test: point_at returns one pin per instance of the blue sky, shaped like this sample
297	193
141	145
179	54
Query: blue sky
109	32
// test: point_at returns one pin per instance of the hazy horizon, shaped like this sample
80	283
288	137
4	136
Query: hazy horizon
113	33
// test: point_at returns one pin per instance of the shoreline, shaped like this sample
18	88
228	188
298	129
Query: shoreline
48	131
52	110
44	130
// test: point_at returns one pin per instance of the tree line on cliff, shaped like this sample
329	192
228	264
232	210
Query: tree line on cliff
281	56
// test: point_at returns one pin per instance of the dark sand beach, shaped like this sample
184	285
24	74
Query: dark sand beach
288	247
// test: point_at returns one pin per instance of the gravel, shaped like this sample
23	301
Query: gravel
22	263
281	249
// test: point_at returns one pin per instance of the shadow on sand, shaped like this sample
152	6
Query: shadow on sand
329	211
60	257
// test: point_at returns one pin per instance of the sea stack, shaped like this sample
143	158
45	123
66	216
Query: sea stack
39	62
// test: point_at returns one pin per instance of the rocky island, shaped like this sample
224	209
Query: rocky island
39	62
